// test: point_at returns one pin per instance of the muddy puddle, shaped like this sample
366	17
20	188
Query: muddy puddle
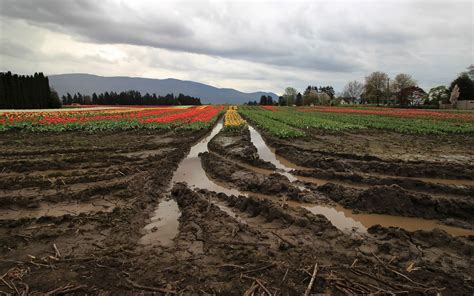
164	224
57	210
345	219
190	169
265	153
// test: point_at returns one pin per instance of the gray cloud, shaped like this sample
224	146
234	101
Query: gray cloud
323	41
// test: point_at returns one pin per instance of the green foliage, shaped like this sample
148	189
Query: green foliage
279	129
289	122
26	92
399	124
307	120
466	87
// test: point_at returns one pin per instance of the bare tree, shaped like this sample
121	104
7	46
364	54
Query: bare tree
310	97
353	90
290	95
376	86
402	81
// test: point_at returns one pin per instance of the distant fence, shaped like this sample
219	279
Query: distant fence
463	105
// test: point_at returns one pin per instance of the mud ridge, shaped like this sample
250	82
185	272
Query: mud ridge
247	180
394	200
406	183
238	145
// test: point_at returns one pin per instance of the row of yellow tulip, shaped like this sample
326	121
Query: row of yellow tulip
232	117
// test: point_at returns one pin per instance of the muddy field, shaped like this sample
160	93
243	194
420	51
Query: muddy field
236	213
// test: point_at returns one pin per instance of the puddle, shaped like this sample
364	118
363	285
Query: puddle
345	220
164	224
56	210
268	154
190	169
265	153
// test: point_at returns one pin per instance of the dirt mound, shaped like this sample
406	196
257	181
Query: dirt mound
236	144
367	164
406	183
394	200
247	180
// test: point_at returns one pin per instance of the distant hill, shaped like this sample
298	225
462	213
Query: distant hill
88	84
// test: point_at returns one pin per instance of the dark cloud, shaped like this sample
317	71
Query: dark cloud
116	23
324	41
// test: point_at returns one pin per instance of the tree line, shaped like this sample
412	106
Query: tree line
131	97
379	89
26	92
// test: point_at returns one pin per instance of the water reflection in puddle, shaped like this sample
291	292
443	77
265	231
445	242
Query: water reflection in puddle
190	169
266	154
164	224
345	219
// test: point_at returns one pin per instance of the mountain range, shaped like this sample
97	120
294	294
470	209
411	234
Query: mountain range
87	84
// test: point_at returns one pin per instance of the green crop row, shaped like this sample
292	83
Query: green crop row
303	121
398	124
292	117
274	127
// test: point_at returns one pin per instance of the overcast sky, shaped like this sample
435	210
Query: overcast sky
244	45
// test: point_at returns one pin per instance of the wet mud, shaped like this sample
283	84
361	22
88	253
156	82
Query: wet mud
394	200
221	214
245	179
237	144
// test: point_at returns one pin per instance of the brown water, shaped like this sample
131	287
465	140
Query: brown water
345	219
57	209
266	154
164	224
190	169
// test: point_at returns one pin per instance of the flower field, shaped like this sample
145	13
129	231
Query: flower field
232	119
407	113
287	122
112	119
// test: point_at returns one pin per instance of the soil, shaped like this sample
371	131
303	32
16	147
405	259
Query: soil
386	176
237	145
394	200
388	153
98	214
245	179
